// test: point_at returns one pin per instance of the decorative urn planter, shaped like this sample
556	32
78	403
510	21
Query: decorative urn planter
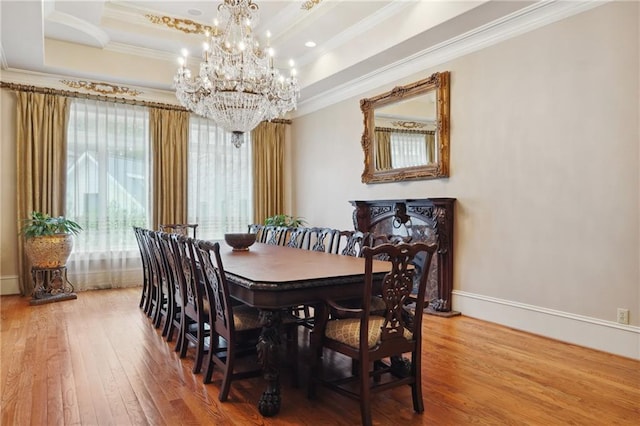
49	251
48	240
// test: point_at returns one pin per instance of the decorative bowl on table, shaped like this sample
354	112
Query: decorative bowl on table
240	242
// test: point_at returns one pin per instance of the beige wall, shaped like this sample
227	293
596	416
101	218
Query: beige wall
8	219
544	165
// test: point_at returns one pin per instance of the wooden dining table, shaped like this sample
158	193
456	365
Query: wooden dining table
271	278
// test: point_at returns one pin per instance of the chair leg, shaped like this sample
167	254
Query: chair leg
365	394
315	366
208	371
197	364
416	387
148	303
228	372
182	344
143	295
168	321
157	316
292	349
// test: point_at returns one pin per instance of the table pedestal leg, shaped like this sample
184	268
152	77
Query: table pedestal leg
268	347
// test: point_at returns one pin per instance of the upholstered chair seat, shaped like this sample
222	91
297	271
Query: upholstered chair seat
347	331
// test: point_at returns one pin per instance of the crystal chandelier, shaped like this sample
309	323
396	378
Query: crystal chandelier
238	85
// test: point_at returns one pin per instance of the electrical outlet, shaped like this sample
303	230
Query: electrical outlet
623	316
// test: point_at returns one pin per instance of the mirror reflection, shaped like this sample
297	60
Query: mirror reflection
406	132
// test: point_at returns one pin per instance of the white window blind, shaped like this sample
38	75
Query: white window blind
108	189
220	180
408	150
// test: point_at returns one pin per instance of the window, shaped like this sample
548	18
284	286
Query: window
220	180
408	150
108	184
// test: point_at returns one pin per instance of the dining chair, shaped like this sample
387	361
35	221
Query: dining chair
235	327
372	340
144	296
180	228
158	307
175	295
194	319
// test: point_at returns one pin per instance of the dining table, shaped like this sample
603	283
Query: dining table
273	278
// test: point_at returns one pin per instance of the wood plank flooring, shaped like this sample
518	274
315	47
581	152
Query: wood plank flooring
98	360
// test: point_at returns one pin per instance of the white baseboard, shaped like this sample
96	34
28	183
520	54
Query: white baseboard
607	336
9	285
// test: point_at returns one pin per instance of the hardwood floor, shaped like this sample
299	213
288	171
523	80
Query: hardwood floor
98	360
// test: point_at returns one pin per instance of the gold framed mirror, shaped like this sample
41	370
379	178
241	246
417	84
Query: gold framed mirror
406	132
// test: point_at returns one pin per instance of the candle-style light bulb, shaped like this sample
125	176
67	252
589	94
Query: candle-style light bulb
271	53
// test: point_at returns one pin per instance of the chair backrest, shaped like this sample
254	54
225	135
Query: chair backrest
193	301
172	266
397	286
216	288
258	229
322	239
296	237
352	242
155	259
378	239
275	235
142	246
180	228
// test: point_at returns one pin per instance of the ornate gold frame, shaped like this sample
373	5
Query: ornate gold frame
440	83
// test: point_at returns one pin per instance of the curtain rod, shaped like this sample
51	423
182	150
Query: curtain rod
395	130
72	94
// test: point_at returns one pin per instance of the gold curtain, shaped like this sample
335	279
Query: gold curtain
430	140
169	146
383	149
41	139
268	164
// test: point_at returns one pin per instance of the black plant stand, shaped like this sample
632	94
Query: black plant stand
51	285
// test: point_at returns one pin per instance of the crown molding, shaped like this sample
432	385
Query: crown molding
524	20
55	81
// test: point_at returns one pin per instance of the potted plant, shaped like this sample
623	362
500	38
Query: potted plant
284	220
49	240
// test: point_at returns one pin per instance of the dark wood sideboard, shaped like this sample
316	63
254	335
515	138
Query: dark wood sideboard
427	219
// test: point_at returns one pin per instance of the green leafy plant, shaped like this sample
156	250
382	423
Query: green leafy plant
285	220
40	224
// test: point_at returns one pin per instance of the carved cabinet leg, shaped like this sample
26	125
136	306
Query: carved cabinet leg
268	347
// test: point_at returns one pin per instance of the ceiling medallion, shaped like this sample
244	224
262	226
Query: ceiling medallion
237	84
307	5
408	124
185	25
102	88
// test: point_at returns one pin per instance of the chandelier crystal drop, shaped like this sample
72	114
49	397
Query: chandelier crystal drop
237	85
